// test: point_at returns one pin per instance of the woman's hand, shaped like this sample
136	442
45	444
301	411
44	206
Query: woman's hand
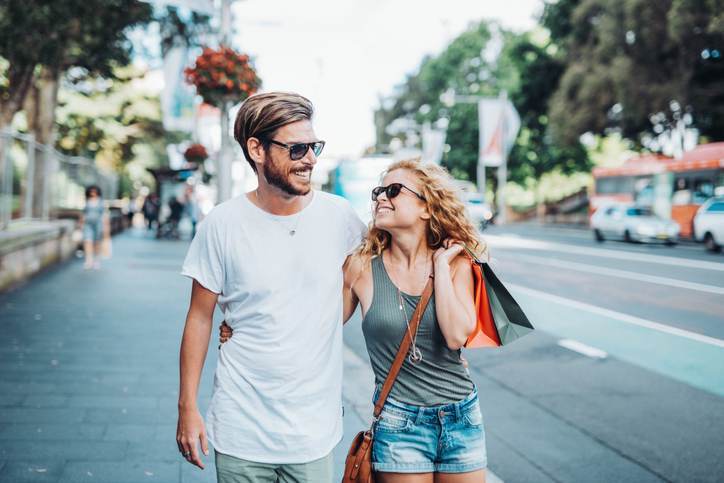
454	297
225	333
447	252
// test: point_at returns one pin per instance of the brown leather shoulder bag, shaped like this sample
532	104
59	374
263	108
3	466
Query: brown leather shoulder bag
358	465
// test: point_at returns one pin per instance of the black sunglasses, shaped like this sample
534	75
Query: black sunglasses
298	150
392	190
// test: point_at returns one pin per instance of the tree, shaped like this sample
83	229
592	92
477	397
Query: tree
117	123
529	72
44	40
635	65
459	67
535	152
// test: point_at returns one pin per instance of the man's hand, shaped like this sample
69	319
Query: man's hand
225	333
189	430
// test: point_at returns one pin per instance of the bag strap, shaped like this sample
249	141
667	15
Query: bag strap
404	347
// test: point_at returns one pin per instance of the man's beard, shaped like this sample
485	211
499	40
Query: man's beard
276	177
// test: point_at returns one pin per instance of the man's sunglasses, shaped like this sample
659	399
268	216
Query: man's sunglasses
298	150
392	190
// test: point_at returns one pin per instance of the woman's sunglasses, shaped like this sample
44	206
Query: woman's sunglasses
298	150
392	190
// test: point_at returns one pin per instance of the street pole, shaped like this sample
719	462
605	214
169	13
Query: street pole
223	171
480	165
503	168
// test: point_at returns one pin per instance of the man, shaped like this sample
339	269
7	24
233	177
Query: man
272	259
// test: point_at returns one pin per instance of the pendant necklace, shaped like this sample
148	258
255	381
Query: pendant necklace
293	229
415	356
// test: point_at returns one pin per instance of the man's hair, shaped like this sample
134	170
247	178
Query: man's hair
261	115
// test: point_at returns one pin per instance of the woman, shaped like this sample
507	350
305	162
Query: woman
94	227
431	427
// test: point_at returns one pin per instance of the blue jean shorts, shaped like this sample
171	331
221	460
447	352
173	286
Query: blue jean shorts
449	438
93	231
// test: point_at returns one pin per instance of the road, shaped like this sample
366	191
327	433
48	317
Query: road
624	378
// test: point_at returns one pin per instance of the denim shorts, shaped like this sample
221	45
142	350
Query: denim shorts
449	438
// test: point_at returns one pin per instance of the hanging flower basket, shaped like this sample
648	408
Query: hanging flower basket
223	75
196	153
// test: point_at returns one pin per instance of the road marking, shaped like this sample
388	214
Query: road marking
582	348
573	232
629	319
516	242
359	368
613	272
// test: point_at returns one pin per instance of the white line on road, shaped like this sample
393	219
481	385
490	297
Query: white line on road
519	242
629	319
582	348
613	272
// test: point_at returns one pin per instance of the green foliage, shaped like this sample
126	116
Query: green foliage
116	122
633	64
535	153
89	34
526	70
176	30
459	67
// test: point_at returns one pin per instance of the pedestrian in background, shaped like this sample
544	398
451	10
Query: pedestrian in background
192	208
151	207
95	226
272	259
131	211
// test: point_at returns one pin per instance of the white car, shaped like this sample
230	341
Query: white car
479	211
709	224
632	224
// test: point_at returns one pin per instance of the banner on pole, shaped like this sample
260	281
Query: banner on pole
498	123
177	98
433	143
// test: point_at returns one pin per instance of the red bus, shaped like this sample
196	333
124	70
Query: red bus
673	188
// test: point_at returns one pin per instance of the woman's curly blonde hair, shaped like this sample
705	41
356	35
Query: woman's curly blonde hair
448	218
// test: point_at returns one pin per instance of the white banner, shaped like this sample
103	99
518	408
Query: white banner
178	97
499	124
433	143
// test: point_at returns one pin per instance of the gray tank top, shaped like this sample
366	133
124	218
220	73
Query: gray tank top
441	377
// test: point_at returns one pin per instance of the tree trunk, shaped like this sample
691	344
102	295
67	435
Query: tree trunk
40	110
19	82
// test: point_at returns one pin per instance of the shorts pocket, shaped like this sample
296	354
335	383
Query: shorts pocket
473	417
393	422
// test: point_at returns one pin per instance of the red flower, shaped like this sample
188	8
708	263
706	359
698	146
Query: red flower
196	153
221	75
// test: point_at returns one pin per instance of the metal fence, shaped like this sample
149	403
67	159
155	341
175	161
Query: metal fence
62	184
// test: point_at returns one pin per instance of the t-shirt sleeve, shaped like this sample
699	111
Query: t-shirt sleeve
356	230
204	261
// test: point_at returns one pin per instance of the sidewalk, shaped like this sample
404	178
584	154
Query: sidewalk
89	372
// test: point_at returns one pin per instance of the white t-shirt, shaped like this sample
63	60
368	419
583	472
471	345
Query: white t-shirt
277	394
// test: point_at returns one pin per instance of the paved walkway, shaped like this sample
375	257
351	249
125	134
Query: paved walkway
89	371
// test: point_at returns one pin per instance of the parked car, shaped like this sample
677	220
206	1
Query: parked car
633	224
479	211
709	224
